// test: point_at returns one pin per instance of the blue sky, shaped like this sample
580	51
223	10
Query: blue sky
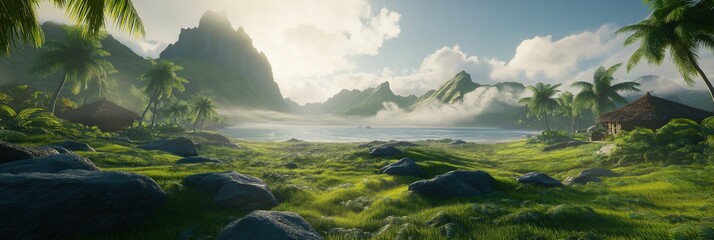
319	47
490	28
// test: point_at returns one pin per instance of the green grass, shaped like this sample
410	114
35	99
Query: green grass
336	186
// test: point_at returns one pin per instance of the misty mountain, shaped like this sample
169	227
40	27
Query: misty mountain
359	102
223	62
218	60
671	90
451	91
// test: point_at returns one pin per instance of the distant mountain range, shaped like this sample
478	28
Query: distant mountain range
222	62
218	61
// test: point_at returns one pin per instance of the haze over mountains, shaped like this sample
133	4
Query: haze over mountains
222	62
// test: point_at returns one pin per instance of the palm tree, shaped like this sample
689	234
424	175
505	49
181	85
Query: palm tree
79	58
204	108
34	120
569	108
601	96
99	86
22	96
19	23
177	109
162	81
680	26
4	98
542	102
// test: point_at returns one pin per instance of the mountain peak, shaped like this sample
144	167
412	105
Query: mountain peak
212	18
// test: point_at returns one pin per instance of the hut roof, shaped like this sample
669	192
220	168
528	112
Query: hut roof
103	113
651	108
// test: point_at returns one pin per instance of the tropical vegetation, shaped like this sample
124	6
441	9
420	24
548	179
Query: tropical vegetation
542	102
680	27
602	95
19	22
162	79
79	60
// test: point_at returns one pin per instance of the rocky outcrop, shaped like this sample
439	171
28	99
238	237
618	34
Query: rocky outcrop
12	152
538	178
179	146
384	151
458	183
49	164
403	167
234	190
74	202
590	175
269	225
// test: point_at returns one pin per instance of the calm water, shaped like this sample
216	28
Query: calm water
355	134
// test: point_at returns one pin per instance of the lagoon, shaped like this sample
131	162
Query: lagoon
362	134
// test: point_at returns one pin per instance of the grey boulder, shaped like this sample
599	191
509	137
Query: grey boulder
215	137
457	183
12	152
403	167
74	146
59	149
590	175
457	142
197	159
234	190
572	180
181	146
74	202
598	172
538	178
384	151
269	225
49	164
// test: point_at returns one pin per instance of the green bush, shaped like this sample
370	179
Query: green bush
550	137
681	141
12	136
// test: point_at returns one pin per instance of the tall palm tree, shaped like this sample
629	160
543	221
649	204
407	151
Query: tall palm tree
177	109
204	108
99	86
601	96
79	58
680	26
541	102
569	108
163	80
19	23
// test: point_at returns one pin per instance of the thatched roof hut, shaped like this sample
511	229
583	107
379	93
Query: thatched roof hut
104	114
649	112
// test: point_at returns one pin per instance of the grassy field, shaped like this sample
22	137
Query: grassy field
336	186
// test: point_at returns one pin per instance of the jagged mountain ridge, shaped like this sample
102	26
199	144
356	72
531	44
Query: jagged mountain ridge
228	67
359	102
236	70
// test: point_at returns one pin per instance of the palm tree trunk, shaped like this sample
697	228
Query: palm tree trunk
56	95
195	122
545	117
156	112
141	119
706	80
572	124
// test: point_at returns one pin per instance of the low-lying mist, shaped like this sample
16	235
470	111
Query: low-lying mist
483	107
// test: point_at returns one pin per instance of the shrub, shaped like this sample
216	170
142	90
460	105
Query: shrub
550	137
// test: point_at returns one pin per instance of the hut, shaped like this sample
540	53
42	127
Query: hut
104	114
649	112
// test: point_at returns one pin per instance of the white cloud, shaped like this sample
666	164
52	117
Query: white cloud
542	58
